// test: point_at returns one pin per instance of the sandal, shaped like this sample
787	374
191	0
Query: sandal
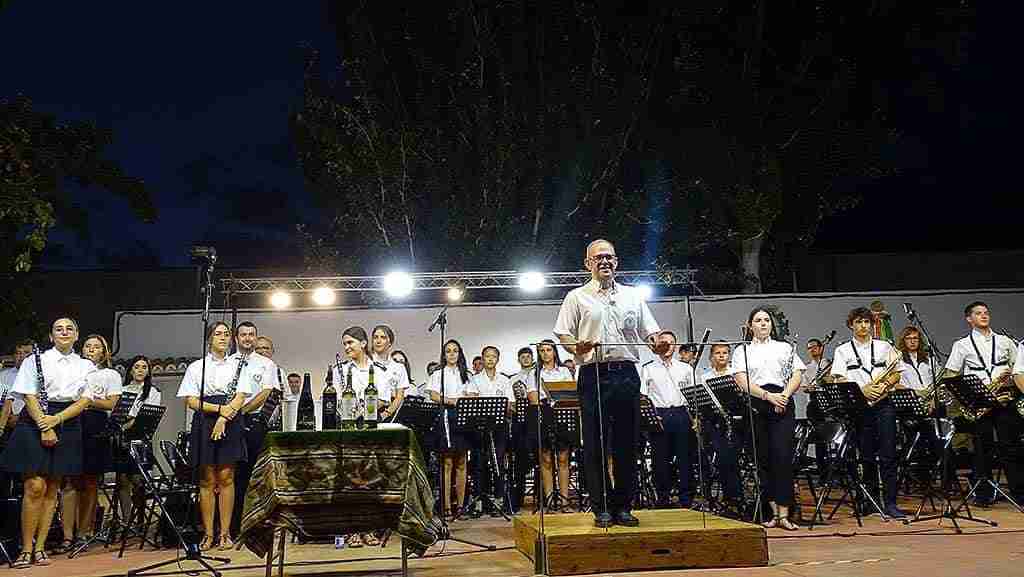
41	558
226	544
369	539
786	524
771	523
206	543
353	541
24	560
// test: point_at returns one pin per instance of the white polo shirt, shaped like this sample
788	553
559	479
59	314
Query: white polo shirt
499	386
662	382
63	376
861	363
986	357
771	362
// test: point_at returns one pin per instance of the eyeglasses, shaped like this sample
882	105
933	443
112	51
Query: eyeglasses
603	258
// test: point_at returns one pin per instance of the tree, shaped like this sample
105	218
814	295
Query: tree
498	133
38	157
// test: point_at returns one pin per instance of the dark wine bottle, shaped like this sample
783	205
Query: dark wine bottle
329	418
306	417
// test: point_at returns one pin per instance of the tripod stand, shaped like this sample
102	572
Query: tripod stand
444	533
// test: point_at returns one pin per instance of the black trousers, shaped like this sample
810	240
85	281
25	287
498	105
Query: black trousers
616	385
878	440
671	443
254	433
490	481
1007	425
726	460
775	446
521	464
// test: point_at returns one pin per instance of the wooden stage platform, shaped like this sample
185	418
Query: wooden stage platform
665	539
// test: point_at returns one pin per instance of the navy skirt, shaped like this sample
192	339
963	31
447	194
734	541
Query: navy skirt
230	450
460	441
26	454
96	458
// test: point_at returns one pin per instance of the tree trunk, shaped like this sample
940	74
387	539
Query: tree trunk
750	259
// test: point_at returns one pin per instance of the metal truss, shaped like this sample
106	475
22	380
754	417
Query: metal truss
445	280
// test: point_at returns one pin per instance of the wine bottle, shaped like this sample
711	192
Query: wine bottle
306	417
348	403
371	402
329	418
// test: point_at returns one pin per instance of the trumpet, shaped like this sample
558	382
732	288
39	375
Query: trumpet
886	380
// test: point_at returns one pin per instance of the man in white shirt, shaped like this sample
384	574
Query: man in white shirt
991	356
604	325
521	445
662	380
862	361
264	375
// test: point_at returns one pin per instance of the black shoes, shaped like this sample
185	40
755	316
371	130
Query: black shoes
602	520
894	512
626	519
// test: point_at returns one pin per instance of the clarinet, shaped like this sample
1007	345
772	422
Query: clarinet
44	400
233	385
444	416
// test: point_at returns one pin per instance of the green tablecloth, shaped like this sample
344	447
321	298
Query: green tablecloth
319	484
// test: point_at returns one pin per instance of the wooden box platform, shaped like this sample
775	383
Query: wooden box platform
665	539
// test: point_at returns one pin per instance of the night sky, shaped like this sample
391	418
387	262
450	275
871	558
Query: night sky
198	96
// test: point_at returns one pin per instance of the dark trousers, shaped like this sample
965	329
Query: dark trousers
490	481
725	459
878	439
255	431
1007	424
672	442
619	398
775	446
522	464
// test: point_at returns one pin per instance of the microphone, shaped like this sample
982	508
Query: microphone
829	337
203	253
438	319
908	309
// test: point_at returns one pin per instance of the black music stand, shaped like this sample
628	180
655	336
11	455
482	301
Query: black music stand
419	414
482	416
909	405
725	398
977	398
845	402
118	417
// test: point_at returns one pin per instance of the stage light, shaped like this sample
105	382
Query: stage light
532	281
280	300
398	284
324	296
455	294
646	291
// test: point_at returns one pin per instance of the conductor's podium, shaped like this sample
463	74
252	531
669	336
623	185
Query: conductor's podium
665	539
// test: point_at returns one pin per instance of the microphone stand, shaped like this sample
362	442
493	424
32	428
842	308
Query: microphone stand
753	428
443	531
192	552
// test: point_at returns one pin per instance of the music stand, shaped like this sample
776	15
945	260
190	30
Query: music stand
909	405
118	417
845	402
977	398
418	414
482	416
649	421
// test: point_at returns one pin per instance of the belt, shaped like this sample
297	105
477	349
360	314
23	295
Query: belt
666	409
612	366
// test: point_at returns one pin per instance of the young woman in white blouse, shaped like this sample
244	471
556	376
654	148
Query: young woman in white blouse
383	340
46	444
551	370
79	499
139	381
455	445
770	370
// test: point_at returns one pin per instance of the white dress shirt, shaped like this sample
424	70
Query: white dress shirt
454	387
771	362
618	315
916	374
219	374
992	363
383	379
260	369
860	363
662	382
546	376
7	377
64	376
400	377
1018	365
499	386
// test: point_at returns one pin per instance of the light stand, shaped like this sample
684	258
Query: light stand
443	531
207	257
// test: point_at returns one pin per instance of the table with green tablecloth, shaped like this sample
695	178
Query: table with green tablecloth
323	483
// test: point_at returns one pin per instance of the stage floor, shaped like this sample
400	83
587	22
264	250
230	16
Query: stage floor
838	549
